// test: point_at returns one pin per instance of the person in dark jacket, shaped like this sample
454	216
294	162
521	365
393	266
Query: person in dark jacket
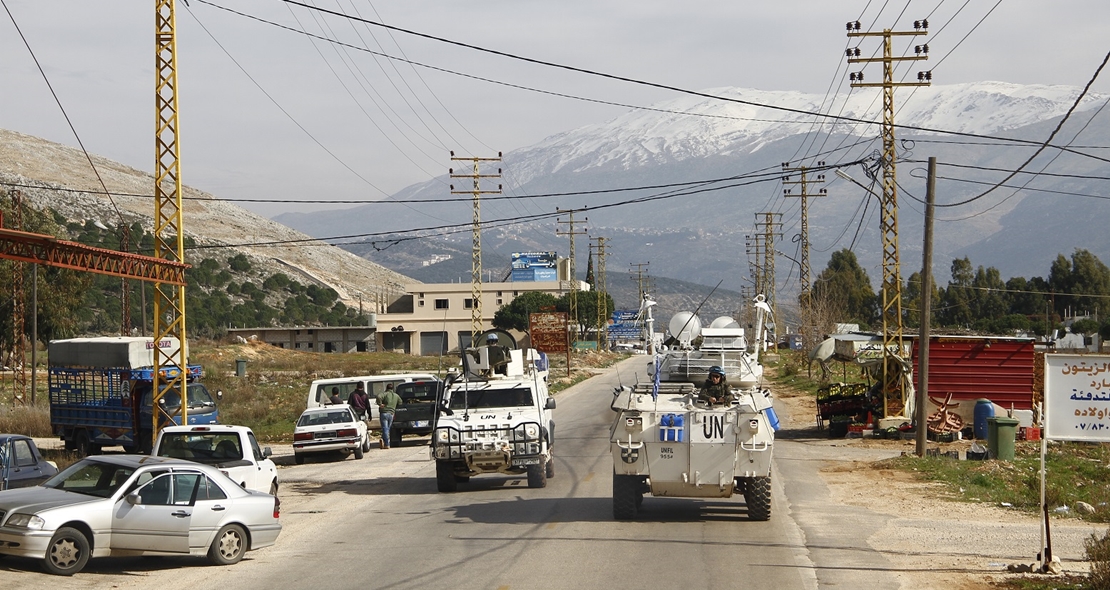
360	402
715	389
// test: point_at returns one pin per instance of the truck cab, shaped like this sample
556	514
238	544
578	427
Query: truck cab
233	450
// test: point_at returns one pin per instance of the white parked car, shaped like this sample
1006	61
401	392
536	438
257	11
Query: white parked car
329	428
232	449
124	505
319	393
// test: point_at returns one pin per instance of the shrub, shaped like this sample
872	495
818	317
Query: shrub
1098	553
26	420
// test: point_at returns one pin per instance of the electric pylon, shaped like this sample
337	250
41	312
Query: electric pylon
599	293
476	248
804	296
768	224
573	278
894	393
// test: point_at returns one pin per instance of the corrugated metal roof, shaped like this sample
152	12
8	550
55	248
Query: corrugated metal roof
999	369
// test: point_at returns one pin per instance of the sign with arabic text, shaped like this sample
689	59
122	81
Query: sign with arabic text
1077	397
549	331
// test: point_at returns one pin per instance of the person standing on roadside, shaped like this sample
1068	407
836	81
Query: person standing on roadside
360	402
387	406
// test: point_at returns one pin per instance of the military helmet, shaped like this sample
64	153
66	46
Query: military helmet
716	370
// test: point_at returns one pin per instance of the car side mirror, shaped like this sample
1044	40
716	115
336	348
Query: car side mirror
550	405
266	452
134	499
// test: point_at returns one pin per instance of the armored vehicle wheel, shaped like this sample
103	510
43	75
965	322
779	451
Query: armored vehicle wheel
741	487
757	495
626	496
537	475
445	477
551	468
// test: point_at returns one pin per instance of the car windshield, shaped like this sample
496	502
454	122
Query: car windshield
318	418
198	397
491	398
91	477
417	392
203	447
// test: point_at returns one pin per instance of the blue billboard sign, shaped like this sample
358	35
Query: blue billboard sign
534	266
624	325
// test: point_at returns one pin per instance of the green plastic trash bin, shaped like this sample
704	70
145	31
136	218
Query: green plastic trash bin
1001	434
240	367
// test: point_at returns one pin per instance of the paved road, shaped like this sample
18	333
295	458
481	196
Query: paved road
380	523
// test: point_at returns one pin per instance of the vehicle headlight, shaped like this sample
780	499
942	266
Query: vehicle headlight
26	521
442	435
531	431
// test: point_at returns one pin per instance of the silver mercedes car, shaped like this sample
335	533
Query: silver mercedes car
122	505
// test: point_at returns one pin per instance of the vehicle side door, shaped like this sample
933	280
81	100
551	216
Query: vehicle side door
26	469
155	518
209	502
266	471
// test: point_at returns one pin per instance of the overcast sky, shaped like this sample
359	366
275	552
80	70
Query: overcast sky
271	113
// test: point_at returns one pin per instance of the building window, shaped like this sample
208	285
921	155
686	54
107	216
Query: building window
441	304
420	303
468	303
499	293
515	293
499	301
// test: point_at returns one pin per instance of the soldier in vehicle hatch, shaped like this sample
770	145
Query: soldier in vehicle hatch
715	389
498	355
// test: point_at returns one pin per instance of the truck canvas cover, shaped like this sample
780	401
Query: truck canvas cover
118	351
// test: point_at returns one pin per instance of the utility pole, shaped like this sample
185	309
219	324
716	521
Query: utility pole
894	393
476	191
573	315
804	297
638	272
599	294
753	247
769	233
926	312
19	313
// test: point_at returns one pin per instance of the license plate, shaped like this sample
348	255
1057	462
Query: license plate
420	424
530	461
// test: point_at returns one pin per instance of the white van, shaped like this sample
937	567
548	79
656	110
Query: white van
320	391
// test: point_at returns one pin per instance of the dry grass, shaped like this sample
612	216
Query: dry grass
26	420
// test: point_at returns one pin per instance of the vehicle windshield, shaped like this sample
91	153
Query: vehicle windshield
91	477
417	392
198	397
318	418
203	447
474	399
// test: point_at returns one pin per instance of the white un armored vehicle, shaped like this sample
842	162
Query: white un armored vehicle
497	418
667	442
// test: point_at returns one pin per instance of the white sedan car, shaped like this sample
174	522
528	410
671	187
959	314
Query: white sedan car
124	505
329	428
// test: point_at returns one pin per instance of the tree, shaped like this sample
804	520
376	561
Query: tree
845	285
590	279
587	310
514	316
956	308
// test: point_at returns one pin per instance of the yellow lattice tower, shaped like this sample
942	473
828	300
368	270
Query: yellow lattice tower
476	191
894	394
169	238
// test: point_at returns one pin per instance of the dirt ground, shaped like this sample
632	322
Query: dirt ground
931	540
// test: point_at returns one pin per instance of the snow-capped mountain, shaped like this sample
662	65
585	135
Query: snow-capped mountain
694	127
700	236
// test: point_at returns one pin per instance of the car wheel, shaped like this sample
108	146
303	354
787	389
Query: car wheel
537	475
366	443
229	545
298	458
445	477
551	468
359	451
394	437
67	553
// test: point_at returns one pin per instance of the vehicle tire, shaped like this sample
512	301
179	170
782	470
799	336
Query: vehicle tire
366	443
757	495
741	486
82	445
145	444
462	478
298	458
537	475
445	477
273	488
551	468
359	451
229	546
67	553
625	491
394	437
